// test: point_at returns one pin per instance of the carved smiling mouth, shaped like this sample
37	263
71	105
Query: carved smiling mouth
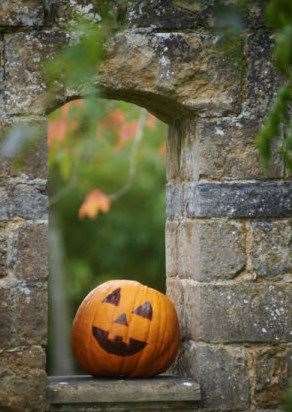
117	346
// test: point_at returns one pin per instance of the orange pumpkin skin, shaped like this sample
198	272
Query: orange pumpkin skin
125	329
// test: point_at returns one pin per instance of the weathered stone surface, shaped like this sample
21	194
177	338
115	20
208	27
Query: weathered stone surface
242	312
3	249
219	149
25	88
271	247
23	314
137	407
7	317
23	198
176	291
28	257
23	379
2	88
21	13
6	234
168	14
181	149
289	350
87	390
270	374
269	410
61	12
170	73
221	371
24	140
173	15
127	406
235	200
262	80
225	149
205	250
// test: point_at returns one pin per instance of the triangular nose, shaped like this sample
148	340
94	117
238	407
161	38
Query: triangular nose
122	319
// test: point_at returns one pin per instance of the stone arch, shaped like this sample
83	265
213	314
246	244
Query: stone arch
116	117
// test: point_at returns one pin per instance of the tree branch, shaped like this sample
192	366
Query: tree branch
133	158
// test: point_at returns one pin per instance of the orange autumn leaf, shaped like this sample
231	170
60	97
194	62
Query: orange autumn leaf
128	130
114	119
151	121
59	128
117	117
95	202
126	133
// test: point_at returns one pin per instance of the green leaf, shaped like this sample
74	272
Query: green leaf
271	128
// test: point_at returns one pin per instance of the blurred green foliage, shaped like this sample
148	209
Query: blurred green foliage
279	18
127	242
287	406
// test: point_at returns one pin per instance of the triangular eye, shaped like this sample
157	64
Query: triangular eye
114	297
144	310
122	320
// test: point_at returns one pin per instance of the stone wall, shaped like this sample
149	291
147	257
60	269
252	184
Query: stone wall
227	230
227	244
23	216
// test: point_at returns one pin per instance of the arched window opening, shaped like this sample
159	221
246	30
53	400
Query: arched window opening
107	178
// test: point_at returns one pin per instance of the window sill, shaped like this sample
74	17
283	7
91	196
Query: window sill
84	393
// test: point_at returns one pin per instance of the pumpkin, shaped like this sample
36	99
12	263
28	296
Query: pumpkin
125	329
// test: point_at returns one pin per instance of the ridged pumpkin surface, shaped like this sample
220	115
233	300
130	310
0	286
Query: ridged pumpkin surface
125	329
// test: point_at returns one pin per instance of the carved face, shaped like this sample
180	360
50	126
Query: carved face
123	328
117	346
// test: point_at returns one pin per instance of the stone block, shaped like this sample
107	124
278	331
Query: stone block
21	13
218	149
225	149
62	11
25	53
28	257
205	250
179	71
241	312
23	198
6	245
221	371
3	249
23	147
33	303
23	379
7	322
181	158
262	81
125	394
166	15
2	87
268	410
176	292
270	375
23	314
174	15
271	247
251	199
290	356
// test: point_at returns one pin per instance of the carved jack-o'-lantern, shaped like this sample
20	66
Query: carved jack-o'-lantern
123	328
